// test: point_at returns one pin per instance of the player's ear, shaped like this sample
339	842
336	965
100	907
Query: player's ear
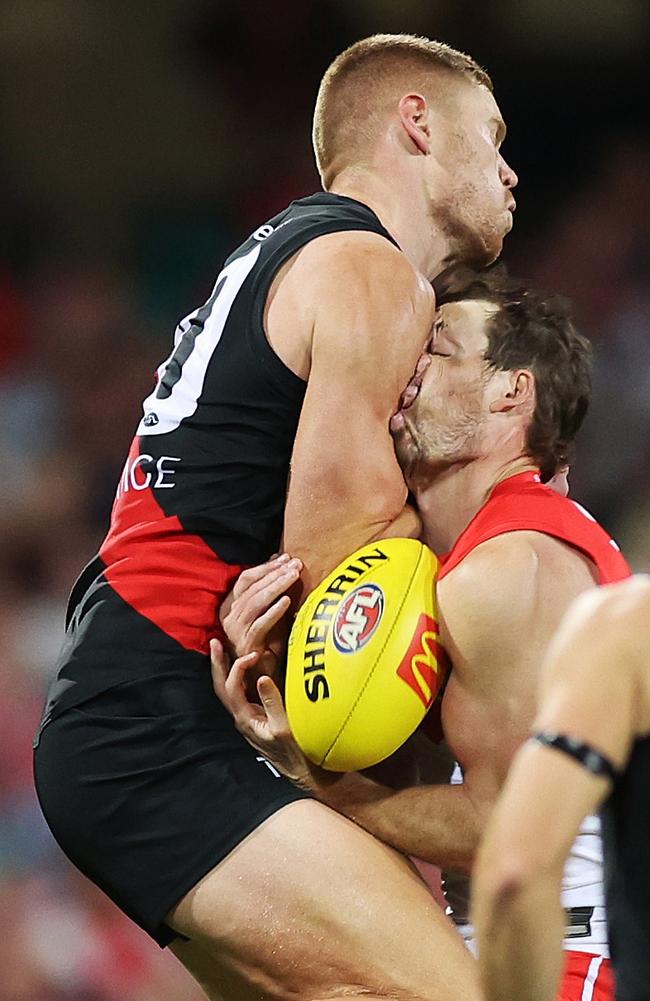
414	116
518	392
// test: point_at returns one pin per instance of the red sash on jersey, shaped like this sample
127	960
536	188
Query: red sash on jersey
523	503
170	576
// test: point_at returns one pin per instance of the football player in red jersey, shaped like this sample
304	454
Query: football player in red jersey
490	414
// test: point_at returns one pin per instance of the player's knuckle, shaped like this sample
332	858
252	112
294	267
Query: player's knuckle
245	580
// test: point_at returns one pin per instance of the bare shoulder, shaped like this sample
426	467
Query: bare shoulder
343	283
493	557
613	622
485	597
367	302
624	606
510	569
511	593
599	659
482	583
353	262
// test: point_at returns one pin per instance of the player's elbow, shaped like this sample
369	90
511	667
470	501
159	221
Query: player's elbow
498	895
407	524
513	879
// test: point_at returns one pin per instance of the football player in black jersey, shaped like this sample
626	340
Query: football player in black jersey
590	749
296	360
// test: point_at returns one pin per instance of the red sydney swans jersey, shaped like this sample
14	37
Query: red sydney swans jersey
522	503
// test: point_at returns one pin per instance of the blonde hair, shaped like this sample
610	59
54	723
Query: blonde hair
356	87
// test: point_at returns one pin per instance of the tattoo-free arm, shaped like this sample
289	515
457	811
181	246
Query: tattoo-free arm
372	317
593	690
485	630
436	823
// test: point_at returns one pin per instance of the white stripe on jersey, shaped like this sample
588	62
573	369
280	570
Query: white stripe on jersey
591	978
164	415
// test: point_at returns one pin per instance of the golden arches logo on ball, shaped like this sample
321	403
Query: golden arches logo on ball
365	662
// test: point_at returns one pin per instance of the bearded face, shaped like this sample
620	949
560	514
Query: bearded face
443	412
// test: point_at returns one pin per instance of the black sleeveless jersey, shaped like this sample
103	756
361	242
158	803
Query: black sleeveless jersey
626	837
205	480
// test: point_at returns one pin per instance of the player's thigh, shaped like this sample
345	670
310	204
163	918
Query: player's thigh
311	906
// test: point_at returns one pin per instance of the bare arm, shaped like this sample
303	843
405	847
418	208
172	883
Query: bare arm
496	627
495	623
372	315
596	663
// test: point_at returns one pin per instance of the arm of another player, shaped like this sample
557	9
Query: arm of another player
487	619
595	689
495	626
371	316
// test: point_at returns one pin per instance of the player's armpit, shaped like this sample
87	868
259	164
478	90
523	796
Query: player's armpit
372	316
407	525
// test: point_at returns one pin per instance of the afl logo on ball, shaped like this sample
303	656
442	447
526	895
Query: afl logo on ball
358	618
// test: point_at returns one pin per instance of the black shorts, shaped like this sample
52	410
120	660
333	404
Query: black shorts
145	783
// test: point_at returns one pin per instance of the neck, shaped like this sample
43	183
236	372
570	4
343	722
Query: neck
404	209
452	497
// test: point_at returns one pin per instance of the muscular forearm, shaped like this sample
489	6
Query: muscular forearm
436	823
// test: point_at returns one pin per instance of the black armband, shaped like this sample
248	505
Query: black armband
587	756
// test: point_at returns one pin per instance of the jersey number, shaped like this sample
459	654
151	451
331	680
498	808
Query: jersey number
181	377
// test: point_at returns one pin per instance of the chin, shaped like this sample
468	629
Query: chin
482	250
492	249
491	255
406	451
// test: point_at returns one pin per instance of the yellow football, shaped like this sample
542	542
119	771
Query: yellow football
364	661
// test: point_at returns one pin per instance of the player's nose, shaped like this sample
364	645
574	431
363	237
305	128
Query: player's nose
508	176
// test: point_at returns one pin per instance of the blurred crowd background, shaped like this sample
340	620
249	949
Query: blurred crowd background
141	142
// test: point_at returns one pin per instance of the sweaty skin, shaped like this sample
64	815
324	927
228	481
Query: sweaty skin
498	608
345	301
350	313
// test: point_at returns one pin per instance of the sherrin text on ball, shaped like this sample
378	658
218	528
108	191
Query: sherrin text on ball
365	662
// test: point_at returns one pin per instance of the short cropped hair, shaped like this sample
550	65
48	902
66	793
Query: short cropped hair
350	93
534	330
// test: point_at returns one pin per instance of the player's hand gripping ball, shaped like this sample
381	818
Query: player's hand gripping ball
365	662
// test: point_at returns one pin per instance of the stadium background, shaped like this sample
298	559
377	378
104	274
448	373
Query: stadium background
139	143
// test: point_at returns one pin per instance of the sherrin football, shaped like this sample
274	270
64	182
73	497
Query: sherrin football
364	660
